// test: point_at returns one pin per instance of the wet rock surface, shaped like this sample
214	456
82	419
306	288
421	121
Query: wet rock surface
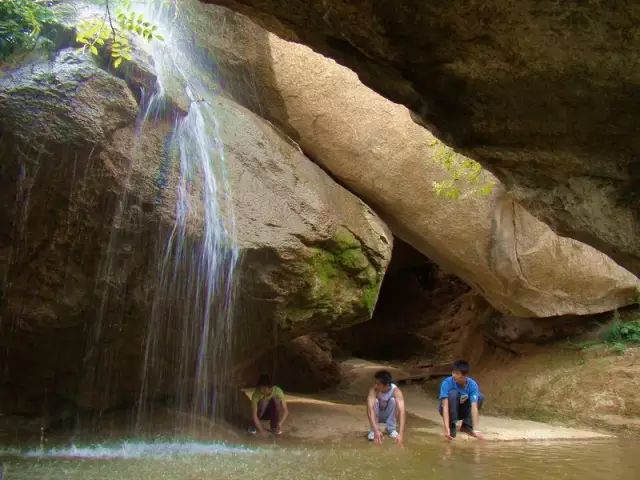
88	202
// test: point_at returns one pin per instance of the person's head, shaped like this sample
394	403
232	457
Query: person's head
383	380
264	383
460	371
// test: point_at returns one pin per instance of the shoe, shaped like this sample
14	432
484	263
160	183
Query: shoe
452	431
252	430
371	435
393	434
276	431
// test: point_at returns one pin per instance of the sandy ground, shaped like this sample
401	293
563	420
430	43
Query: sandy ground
340	415
548	377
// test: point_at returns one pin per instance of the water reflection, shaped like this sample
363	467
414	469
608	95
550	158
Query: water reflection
425	458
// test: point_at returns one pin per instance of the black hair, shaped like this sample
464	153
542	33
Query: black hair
264	380
383	377
461	366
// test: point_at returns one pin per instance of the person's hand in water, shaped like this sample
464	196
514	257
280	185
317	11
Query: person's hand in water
400	440
478	435
447	433
377	437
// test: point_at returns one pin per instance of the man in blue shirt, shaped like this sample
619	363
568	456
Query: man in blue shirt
460	399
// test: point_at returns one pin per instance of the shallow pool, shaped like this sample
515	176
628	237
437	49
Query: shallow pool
425	457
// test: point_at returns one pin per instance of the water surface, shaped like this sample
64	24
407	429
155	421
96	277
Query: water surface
424	458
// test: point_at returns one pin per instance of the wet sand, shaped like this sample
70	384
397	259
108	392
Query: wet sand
341	415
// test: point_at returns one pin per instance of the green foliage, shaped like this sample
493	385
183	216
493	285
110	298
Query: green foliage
96	33
129	21
622	332
21	25
462	172
617	336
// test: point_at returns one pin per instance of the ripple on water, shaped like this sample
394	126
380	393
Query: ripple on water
431	459
130	450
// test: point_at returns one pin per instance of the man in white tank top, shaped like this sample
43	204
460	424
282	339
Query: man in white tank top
385	404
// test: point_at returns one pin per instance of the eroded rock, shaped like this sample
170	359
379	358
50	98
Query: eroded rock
88	199
540	94
303	365
373	147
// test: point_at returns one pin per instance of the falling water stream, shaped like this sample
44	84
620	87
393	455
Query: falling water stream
192	309
188	336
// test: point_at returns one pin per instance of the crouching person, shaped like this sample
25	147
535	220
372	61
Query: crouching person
385	404
460	399
268	403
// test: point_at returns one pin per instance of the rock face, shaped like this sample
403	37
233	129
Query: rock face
423	316
303	365
87	202
373	147
314	255
540	94
428	318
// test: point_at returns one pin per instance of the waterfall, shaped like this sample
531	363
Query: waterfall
192	312
187	343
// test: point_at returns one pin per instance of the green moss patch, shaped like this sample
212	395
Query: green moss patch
343	283
344	273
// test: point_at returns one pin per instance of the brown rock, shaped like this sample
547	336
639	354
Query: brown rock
541	94
424	317
303	365
87	206
373	147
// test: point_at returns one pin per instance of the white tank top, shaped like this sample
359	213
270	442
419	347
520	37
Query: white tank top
384	397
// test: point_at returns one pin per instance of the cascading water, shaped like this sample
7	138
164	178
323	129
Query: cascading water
191	318
188	335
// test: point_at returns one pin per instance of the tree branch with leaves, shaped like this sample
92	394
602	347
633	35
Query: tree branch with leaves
98	33
21	25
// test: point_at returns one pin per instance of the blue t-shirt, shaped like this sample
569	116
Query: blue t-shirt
471	389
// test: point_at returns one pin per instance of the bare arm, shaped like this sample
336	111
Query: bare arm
475	416
371	415
285	412
401	412
445	418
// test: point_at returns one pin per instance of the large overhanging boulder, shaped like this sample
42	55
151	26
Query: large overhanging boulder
373	147
87	205
542	94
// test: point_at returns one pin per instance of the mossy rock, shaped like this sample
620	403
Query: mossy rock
353	259
368	276
344	239
343	284
370	297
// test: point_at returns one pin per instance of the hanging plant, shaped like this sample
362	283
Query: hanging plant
97	33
